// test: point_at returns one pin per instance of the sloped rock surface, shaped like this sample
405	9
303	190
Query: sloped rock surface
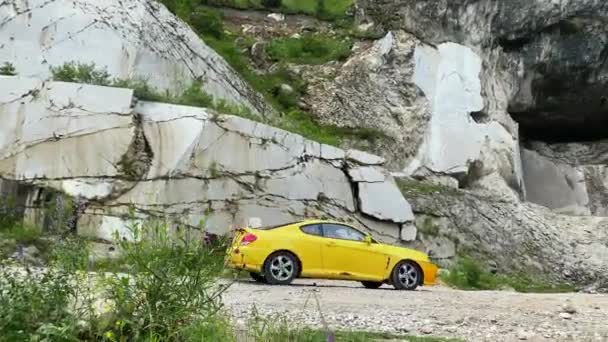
374	89
184	163
522	236
132	39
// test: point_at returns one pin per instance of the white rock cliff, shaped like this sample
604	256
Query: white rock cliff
183	162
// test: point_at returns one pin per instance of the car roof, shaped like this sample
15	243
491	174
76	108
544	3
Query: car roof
303	223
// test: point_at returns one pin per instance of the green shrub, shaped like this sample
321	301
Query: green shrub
23	233
142	90
35	306
8	69
469	274
195	96
310	49
181	8
80	73
206	21
271	3
175	274
169	293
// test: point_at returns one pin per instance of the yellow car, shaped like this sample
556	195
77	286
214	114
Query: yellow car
326	250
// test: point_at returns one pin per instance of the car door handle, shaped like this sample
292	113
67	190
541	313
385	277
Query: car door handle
331	244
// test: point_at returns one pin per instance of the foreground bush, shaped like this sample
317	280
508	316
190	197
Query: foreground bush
169	292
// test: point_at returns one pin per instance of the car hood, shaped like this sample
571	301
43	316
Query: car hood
405	253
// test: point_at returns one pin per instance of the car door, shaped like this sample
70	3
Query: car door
309	244
347	255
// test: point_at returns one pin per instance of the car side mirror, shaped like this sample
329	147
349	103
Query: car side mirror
368	239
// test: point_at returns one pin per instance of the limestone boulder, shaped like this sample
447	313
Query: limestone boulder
57	130
455	142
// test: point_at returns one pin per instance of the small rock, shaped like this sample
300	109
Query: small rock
296	36
565	315
426	330
364	27
258	54
278	17
408	232
27	255
568	308
524	335
286	89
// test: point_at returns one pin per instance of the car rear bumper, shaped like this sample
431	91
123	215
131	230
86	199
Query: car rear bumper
245	258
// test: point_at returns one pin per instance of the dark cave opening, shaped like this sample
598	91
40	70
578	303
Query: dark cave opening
552	128
563	107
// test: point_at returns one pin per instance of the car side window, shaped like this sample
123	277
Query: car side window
312	229
338	231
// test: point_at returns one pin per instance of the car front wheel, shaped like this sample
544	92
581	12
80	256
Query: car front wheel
406	276
280	268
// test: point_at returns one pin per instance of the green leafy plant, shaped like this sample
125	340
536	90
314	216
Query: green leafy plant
8	69
171	284
81	73
34	305
207	21
309	49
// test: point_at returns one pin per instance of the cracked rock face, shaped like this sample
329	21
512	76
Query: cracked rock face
183	163
133	39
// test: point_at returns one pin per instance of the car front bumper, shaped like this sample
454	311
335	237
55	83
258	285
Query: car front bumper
430	272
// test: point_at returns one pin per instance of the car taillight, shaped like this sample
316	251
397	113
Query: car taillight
247	239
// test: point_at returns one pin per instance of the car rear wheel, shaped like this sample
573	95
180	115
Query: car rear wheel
257	277
280	268
371	284
406	276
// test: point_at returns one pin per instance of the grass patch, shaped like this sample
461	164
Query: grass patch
8	69
323	9
294	119
193	96
469	274
310	49
428	227
410	186
23	233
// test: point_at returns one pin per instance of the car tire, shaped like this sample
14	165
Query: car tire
281	268
371	284
406	275
257	277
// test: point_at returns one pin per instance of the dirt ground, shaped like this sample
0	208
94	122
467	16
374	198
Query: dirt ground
428	311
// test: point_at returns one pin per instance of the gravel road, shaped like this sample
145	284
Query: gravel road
430	311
